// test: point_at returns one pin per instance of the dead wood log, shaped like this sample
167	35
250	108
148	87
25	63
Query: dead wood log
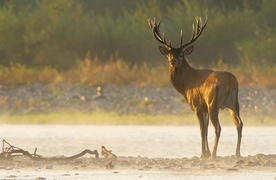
108	154
12	151
86	151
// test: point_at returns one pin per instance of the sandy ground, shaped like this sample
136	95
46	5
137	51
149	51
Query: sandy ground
259	166
169	152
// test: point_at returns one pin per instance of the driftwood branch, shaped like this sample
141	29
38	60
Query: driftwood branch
108	154
86	151
11	151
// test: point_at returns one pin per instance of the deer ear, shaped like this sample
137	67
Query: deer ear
164	50
188	50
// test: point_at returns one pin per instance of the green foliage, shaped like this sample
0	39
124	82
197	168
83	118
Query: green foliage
50	33
258	49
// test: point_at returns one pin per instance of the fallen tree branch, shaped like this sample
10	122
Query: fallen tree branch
12	151
108	154
86	151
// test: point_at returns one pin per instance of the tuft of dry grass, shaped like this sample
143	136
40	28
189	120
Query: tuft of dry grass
254	76
117	71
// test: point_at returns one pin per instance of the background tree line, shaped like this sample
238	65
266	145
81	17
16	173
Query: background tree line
57	34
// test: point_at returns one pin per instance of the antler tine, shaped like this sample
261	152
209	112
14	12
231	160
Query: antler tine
165	42
150	23
159	22
156	33
164	37
200	21
197	30
155	30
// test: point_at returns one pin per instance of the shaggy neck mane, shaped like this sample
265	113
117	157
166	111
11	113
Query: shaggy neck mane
181	76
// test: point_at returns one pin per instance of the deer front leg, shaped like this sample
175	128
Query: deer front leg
205	152
206	120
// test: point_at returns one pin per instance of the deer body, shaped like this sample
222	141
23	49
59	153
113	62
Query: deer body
206	91
198	92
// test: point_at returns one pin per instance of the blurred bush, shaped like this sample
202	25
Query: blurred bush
50	33
117	71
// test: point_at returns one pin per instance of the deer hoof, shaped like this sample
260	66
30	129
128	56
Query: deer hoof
212	157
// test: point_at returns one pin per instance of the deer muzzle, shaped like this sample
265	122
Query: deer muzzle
173	62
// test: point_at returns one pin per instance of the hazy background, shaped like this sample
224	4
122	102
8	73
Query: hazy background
55	53
59	33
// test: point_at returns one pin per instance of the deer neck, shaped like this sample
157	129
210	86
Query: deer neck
181	76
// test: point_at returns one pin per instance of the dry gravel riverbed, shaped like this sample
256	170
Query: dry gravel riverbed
127	99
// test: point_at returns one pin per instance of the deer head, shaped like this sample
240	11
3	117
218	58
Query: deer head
176	55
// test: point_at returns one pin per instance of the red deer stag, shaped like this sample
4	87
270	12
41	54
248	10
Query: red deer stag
206	91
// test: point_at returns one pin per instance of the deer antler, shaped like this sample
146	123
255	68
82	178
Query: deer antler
196	32
155	30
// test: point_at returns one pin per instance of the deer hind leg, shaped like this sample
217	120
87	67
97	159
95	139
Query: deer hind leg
203	124
213	112
234	112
